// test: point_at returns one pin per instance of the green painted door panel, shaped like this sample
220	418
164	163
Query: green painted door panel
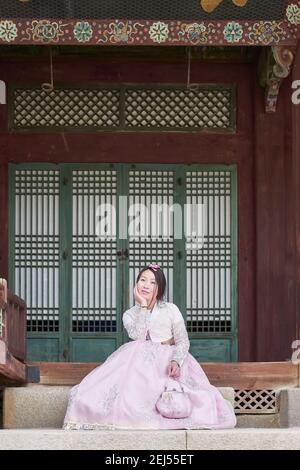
92	349
211	350
77	244
43	349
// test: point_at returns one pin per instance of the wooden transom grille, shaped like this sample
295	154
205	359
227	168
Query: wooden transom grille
66	108
161	108
256	402
175	108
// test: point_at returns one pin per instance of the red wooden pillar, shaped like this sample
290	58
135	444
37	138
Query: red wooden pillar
3	181
296	190
3	217
3	191
277	166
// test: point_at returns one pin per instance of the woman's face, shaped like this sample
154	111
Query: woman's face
147	284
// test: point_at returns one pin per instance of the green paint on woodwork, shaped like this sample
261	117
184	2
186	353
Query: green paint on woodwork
92	349
77	286
211	350
43	349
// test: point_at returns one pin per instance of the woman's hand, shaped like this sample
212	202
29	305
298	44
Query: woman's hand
174	370
138	297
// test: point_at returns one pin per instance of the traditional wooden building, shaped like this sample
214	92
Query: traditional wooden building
151	102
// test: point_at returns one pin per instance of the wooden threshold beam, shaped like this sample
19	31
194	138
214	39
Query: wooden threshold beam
240	375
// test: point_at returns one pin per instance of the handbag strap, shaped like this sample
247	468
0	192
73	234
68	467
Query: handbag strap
177	381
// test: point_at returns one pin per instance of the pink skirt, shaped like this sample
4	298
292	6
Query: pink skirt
122	393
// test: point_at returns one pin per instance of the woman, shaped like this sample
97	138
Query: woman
122	392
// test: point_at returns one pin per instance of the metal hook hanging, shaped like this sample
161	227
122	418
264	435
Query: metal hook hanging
49	86
189	85
188	78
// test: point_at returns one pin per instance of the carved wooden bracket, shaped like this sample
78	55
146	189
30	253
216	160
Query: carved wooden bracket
211	5
278	68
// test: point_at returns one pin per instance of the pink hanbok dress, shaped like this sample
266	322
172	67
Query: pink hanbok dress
122	392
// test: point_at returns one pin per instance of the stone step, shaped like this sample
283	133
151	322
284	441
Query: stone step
268	420
44	406
231	439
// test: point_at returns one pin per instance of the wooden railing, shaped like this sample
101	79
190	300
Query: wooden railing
3	301
13	322
13	368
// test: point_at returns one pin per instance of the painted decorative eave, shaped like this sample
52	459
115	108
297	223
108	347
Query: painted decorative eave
154	32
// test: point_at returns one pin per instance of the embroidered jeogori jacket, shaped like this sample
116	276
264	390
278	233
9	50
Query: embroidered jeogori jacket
163	323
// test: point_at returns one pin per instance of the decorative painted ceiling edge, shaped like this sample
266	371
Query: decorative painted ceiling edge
150	32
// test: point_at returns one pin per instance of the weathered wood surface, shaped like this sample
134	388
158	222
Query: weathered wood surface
13	370
14	325
276	195
241	375
295	201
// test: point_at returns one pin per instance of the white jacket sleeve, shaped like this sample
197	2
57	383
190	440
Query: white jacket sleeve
180	335
135	321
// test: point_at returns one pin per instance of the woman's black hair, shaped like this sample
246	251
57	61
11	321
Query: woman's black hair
160	280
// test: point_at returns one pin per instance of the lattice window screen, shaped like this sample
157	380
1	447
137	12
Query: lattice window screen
179	109
35	108
37	246
166	9
208	272
159	108
151	231
94	251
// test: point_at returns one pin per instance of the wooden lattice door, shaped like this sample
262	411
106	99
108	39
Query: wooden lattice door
78	237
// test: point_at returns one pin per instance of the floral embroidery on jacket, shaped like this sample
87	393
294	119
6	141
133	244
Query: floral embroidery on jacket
182	343
136	322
